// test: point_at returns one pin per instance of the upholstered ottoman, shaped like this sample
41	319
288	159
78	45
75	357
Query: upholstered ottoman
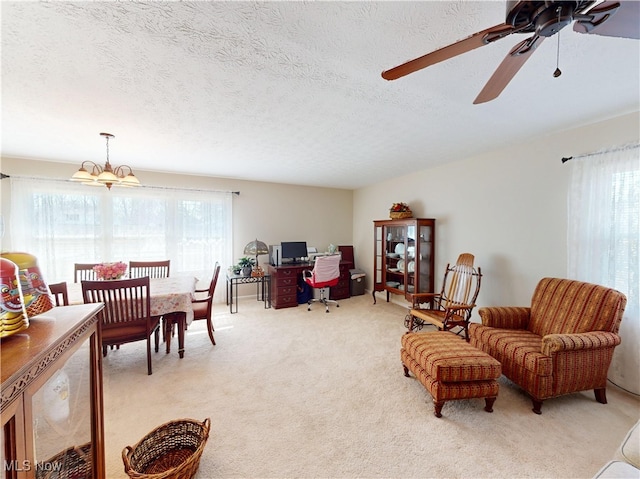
450	368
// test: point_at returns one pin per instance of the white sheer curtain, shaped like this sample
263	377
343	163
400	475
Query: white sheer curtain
604	242
63	223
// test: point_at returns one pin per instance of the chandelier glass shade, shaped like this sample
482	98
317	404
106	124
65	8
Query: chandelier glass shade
92	174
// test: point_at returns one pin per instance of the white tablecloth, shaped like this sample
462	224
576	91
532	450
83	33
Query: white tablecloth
168	295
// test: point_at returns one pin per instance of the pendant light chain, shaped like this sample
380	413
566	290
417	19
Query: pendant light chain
557	73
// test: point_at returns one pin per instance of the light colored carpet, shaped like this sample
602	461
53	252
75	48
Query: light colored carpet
300	394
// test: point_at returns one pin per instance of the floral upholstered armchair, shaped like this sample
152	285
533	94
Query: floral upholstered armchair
562	343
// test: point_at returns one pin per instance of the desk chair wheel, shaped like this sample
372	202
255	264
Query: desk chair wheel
323	301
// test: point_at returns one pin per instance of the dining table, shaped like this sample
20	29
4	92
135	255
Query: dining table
170	298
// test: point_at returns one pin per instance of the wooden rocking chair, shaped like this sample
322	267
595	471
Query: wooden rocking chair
452	307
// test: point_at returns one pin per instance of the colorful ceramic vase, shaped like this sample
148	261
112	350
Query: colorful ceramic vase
37	298
13	314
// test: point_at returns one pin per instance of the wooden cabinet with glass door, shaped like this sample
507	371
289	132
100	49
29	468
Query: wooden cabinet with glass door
52	410
404	255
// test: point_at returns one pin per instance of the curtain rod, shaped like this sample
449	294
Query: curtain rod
237	193
622	148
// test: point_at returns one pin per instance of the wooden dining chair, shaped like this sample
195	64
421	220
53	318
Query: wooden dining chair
203	306
84	272
60	294
153	269
126	316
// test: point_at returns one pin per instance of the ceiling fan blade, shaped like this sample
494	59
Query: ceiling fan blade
611	19
508	69
470	43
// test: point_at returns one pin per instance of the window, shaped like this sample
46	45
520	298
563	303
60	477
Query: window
63	223
604	241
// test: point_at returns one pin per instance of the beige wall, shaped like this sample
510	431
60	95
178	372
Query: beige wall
507	207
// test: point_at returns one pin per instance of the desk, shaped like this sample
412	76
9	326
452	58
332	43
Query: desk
170	297
284	285
263	289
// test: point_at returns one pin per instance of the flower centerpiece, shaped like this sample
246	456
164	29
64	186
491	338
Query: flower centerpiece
110	270
400	210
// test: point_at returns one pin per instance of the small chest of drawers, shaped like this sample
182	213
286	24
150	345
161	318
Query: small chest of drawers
285	278
284	287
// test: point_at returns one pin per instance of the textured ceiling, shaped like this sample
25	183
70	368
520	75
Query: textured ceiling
287	92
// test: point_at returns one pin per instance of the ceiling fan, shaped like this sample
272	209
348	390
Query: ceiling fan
543	19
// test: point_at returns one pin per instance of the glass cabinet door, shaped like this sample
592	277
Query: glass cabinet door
62	421
395	256
378	256
424	259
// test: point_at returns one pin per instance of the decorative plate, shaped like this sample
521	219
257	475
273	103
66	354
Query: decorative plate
400	265
411	267
400	248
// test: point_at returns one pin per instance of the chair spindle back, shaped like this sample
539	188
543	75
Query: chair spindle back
125	300
461	283
60	293
153	269
84	272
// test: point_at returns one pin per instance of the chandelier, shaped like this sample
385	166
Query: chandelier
107	175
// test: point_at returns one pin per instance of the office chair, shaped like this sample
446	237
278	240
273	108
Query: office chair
325	273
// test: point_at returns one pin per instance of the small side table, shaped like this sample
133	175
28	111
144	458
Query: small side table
263	289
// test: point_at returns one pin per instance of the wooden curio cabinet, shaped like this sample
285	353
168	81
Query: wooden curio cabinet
52	410
404	255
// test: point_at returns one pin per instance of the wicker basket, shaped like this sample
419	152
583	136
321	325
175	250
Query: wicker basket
72	463
172	450
398	215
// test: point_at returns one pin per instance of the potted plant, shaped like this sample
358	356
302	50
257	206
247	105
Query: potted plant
246	264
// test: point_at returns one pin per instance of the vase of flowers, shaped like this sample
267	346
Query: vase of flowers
110	270
399	211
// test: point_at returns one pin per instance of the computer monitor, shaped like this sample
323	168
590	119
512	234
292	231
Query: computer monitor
293	251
